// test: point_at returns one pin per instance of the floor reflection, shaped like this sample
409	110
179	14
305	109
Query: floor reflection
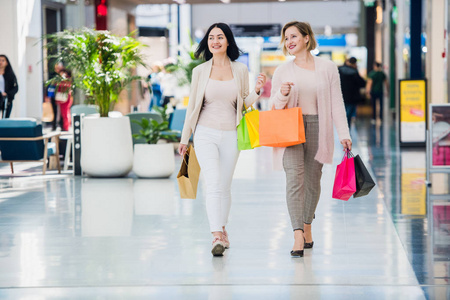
107	207
77	237
154	197
400	174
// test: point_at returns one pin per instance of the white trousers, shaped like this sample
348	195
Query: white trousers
217	154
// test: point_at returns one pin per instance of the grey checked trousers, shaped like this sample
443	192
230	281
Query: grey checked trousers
303	174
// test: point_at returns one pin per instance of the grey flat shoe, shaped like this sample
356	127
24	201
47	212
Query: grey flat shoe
218	247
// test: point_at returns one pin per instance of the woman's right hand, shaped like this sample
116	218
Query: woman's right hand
285	88
182	148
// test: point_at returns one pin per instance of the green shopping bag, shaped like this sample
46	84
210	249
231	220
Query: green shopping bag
243	136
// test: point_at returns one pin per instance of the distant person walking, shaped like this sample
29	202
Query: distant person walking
351	83
374	90
65	100
155	81
51	93
8	86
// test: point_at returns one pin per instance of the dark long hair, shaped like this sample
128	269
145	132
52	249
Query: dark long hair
8	70
233	51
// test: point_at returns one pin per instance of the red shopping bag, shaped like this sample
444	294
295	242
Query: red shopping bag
345	180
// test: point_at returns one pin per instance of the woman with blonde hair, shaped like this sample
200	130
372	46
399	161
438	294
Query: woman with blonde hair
312	83
219	88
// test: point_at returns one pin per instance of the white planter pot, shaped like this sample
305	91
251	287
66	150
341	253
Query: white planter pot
153	160
106	147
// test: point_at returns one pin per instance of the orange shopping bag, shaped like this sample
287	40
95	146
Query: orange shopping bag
281	127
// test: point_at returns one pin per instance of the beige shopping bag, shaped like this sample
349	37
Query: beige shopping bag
188	175
47	112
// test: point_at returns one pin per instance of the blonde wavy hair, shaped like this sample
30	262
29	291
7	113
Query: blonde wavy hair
304	29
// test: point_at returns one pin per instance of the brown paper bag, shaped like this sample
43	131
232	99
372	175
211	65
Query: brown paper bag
47	112
188	175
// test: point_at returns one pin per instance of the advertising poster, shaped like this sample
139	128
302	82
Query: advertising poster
413	103
440	130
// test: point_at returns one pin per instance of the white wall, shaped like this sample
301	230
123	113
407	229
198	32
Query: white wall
20	24
8	32
118	21
30	56
318	13
8	29
75	15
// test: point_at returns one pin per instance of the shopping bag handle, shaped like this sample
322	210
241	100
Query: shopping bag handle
347	154
246	108
187	153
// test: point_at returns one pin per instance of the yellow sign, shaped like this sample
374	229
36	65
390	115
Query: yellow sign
272	58
412	100
414	192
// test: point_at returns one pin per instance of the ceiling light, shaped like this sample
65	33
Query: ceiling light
281	0
226	1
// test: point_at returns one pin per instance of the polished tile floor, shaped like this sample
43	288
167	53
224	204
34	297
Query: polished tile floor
65	237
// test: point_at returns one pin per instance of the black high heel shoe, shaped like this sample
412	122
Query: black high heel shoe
297	253
309	245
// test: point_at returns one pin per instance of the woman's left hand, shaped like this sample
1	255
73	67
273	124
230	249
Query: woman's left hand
347	144
260	82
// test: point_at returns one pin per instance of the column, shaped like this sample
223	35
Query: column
416	36
436	54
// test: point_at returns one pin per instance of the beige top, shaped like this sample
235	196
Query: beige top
305	83
200	78
219	105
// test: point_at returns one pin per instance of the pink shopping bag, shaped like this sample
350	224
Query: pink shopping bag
345	180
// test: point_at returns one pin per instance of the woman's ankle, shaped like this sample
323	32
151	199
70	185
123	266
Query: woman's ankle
299	240
218	234
307	232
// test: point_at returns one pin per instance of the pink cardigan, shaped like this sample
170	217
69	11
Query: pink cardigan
330	104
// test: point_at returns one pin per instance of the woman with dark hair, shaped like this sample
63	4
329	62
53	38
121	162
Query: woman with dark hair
8	86
312	83
219	88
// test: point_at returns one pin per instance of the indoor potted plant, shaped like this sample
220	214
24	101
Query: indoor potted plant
102	66
156	158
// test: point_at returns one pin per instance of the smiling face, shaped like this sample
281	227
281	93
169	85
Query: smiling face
294	41
217	41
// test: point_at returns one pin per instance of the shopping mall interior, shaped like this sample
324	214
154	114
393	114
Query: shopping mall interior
90	210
